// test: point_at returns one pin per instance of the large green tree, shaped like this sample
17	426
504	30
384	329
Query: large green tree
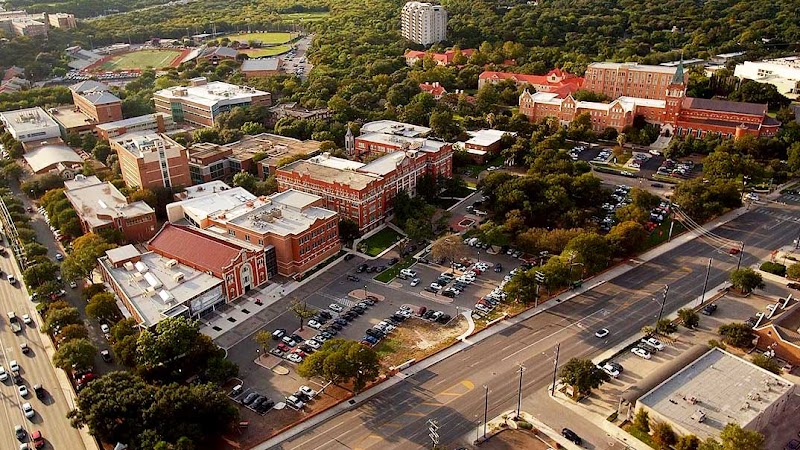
746	280
76	353
582	375
342	361
83	259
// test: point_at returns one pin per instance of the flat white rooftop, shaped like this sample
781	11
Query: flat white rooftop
26	120
98	203
133	121
724	388
211	93
156	291
485	137
411	143
46	156
394	127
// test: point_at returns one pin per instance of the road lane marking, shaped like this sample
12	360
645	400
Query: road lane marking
415	414
576	323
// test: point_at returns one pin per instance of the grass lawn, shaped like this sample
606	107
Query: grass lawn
140	60
462	192
305	17
266	51
390	273
264	38
380	241
661	232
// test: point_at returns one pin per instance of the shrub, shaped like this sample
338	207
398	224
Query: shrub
737	334
774	268
793	271
524	425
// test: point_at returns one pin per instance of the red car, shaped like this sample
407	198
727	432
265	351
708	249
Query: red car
283	347
299	353
87	378
734	251
37	439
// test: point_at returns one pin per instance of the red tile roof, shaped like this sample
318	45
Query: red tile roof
564	83
442	58
434	89
195	248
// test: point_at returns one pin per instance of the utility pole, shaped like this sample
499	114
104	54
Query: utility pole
741	252
555	370
540	278
519	393
663	302
485	409
705	283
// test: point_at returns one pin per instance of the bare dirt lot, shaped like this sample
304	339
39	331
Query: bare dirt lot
417	338
515	439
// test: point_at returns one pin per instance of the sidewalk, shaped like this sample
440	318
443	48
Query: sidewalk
506	421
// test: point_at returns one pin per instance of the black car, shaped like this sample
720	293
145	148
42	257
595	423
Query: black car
569	434
324	314
306	348
428	314
449	293
297	338
362	268
326	334
349	256
498	267
394	261
381	268
371	269
349	315
358	309
39	390
330	330
265	406
370	300
444	318
616	366
335	326
340	321
353	278
398	318
374	332
430	289
709	309
795	286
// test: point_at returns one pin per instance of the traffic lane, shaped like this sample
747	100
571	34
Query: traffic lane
610	179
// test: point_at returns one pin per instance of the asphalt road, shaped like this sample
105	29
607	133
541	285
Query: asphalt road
36	368
451	391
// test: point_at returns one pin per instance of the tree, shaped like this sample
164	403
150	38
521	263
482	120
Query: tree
641	421
60	318
70	332
737	334
582	375
245	180
103	307
301	310
77	353
342	361
627	237
348	230
590	249
746	280
793	271
83	259
448	247
40	272
663	436
765	362
522	286
666	327
264	339
733	437
144	195
710	444
687	442
221	369
174	350
252	128
689	317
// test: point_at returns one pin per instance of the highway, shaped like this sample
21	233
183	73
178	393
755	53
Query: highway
452	391
36	368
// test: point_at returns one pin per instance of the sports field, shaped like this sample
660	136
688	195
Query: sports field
266	51
304	17
264	38
142	59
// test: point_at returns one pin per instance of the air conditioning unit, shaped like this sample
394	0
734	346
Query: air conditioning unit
171	263
178	277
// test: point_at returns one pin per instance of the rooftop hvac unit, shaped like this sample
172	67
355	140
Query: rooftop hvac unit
150	290
128	266
171	263
137	276
141	267
178	277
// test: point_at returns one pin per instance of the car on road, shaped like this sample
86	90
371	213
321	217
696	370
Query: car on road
24	347
640	352
59	257
734	251
795	286
414	282
37	439
314	324
3	374
601	333
362	268
336	307
794	444
23	391
353	278
106	356
105	328
11	279
26	319
28	410
653	342
571	436
19	432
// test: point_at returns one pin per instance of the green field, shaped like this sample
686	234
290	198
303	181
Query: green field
266	51
140	60
264	38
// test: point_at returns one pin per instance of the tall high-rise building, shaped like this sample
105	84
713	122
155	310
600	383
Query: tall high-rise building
424	23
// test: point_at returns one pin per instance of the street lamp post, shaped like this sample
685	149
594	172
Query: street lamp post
741	252
519	393
705	283
663	302
485	409
555	370
365	292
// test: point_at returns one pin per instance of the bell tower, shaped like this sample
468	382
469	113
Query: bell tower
676	90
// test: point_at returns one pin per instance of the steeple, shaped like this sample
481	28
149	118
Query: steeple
678	77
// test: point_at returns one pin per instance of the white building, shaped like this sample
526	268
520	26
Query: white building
782	73
30	124
424	23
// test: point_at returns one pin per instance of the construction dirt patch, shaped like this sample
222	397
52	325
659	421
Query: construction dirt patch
517	439
417	339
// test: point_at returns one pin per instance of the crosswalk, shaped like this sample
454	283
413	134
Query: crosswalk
792	198
342	301
779	215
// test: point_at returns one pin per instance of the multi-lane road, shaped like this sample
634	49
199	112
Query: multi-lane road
36	368
452	391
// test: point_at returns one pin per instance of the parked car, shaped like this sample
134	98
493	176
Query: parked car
609	369
653	342
394	261
571	436
640	352
601	333
279	333
414	282
353	278
361	268
709	309
336	307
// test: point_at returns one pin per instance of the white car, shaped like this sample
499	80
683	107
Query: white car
73	284
601	333
313	344
105	328
653	342
415	282
3	374
640	352
314	324
294	357
435	286
405	313
23	391
610	370
409	273
28	410
13	365
294	402
307	391
336	307
483	308
289	341
26	319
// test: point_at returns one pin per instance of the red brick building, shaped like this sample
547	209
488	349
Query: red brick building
435	89
149	160
554	81
241	268
442	59
292	228
676	113
616	80
100	205
95	100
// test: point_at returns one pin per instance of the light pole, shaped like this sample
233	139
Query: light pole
365	292
741	252
705	283
519	393
485	409
555	370
663	302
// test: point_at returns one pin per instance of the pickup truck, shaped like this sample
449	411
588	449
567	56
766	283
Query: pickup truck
15	325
